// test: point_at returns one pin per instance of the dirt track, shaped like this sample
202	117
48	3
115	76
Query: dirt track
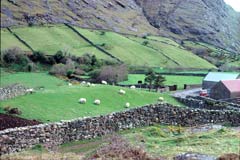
8	121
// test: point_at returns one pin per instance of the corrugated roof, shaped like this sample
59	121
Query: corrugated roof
232	85
220	76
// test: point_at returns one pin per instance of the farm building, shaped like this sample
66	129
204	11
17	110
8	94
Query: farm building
213	78
226	89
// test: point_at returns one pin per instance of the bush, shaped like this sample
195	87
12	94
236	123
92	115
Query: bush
39	57
14	111
58	69
15	58
58	57
145	43
112	74
63	69
120	149
14	55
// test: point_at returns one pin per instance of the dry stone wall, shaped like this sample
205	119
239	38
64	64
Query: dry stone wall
208	103
12	91
17	139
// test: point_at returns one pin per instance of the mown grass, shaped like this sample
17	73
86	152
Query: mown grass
170	80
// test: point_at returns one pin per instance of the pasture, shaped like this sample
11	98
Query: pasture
158	52
170	80
58	101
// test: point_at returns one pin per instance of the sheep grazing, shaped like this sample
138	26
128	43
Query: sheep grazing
133	87
88	84
30	90
82	100
83	82
122	92
160	99
93	85
69	84
127	105
104	82
97	102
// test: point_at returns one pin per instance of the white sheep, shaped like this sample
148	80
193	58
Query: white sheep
97	102
30	90
127	105
93	85
83	82
69	84
160	99
82	100
104	82
88	84
133	87
122	92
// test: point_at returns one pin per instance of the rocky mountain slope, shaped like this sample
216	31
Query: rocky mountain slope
210	21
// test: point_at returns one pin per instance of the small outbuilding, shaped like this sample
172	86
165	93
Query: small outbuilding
226	89
213	78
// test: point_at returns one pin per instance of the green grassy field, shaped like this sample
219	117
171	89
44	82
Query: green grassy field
127	50
31	80
215	55
9	41
176	53
51	38
58	101
170	80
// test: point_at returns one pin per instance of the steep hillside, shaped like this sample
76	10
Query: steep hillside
117	15
210	21
151	51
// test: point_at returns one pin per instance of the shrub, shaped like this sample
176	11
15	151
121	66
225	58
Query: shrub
15	58
112	74
58	69
59	56
39	57
14	111
14	55
145	43
120	149
63	69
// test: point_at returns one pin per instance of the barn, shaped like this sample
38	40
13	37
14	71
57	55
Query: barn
226	89
213	78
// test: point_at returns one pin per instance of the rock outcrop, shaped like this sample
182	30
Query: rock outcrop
210	21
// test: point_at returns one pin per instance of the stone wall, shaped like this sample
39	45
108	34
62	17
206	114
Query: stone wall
12	91
208	103
17	139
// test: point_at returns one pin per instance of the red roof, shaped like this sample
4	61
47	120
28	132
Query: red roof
232	85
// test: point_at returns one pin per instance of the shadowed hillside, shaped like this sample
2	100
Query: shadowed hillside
208	21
